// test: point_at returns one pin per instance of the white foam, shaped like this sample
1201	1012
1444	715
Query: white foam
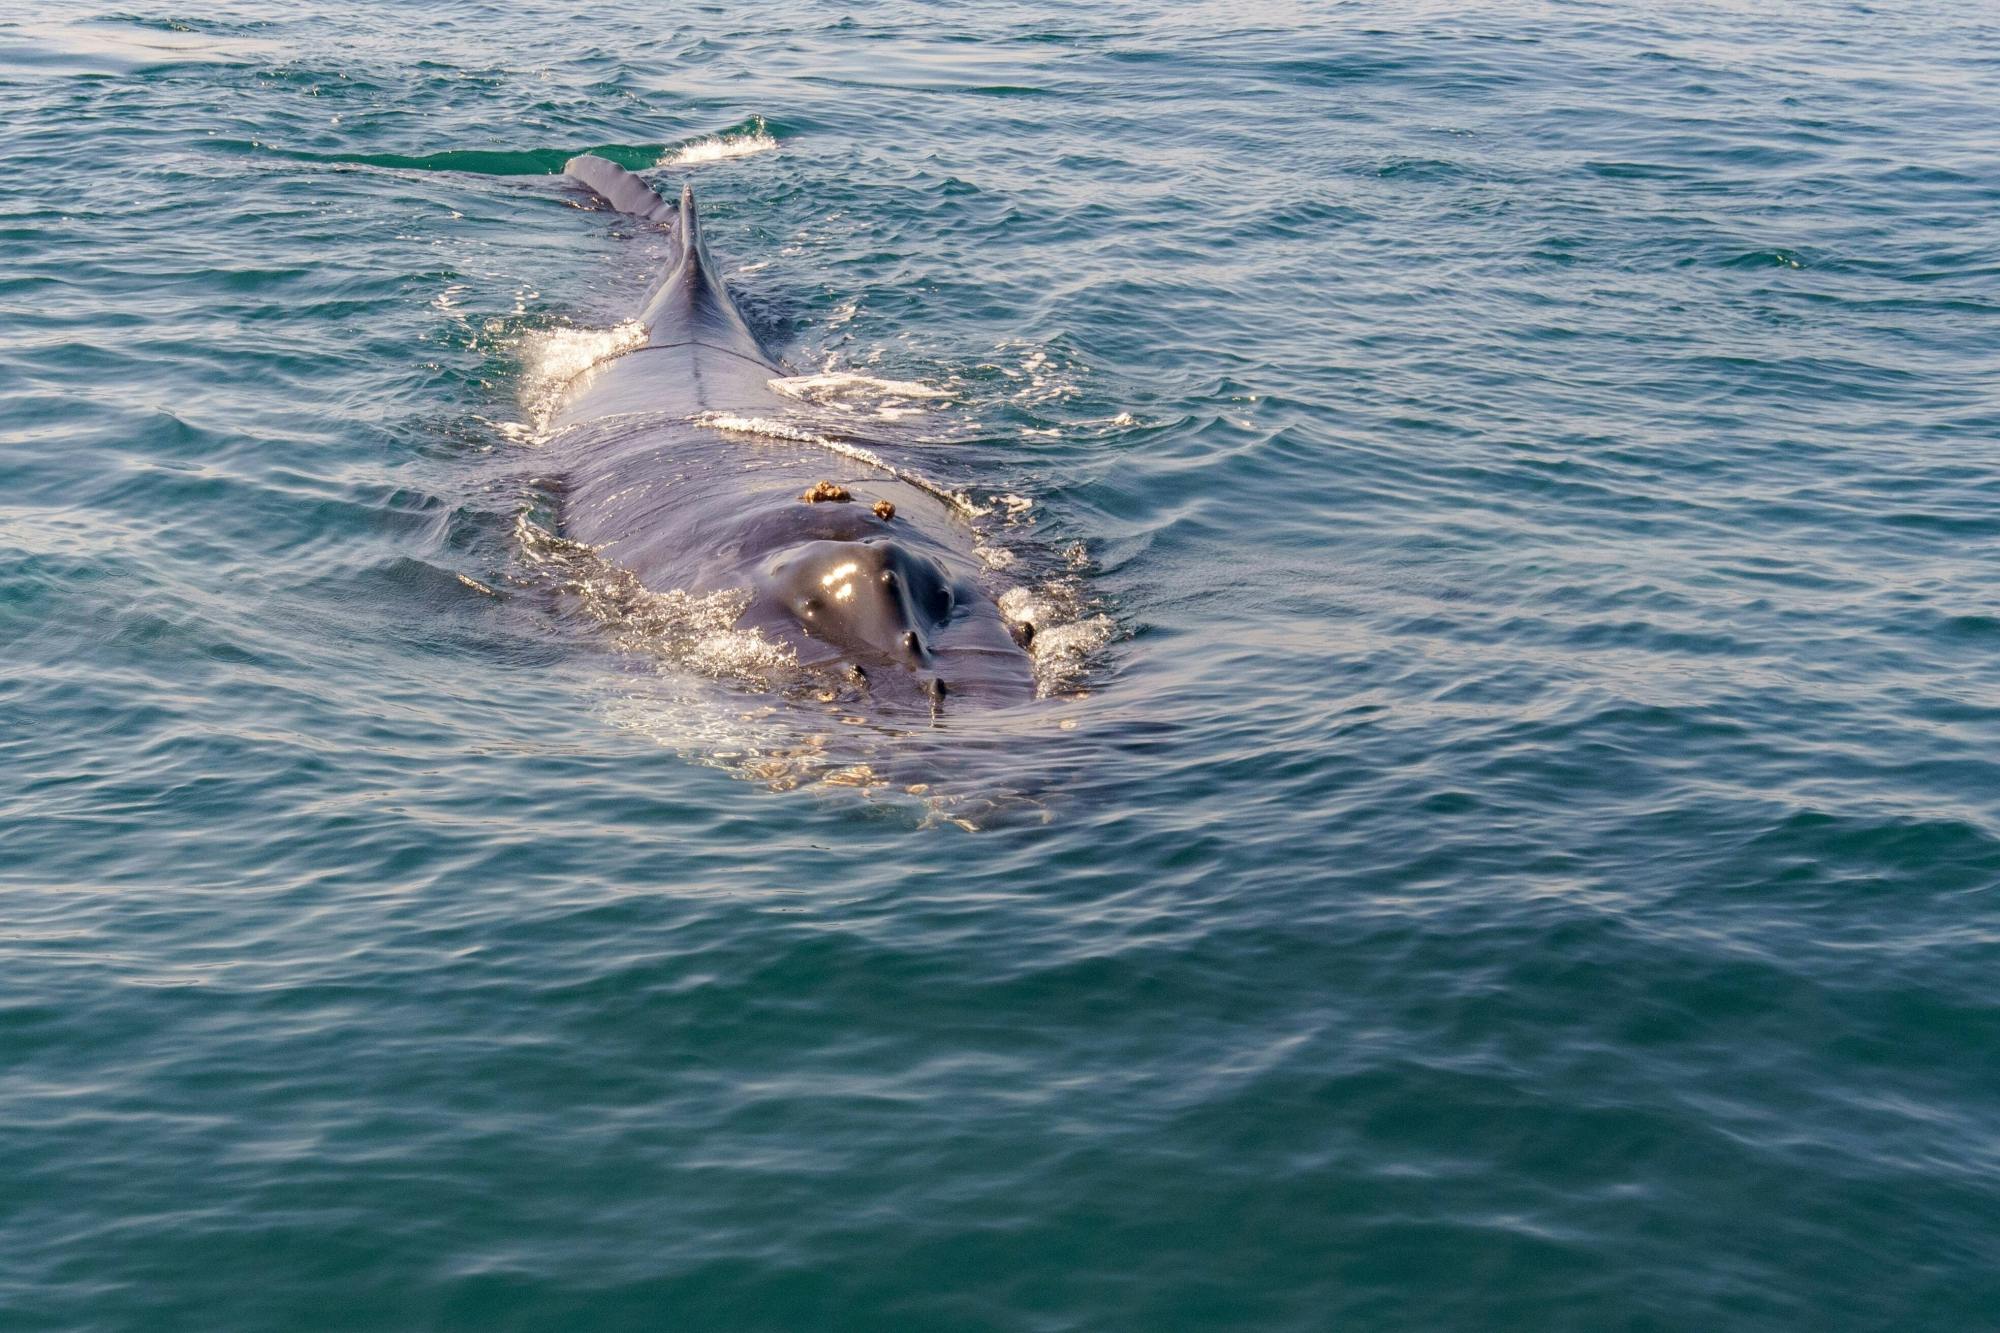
551	358
845	390
514	432
1064	654
1066	642
720	147
1044	379
775	430
1022	605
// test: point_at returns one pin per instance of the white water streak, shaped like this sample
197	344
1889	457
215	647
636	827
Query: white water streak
778	430
720	147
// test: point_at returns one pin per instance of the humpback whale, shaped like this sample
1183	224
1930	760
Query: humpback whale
866	574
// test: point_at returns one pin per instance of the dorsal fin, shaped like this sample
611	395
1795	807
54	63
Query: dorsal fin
619	188
693	302
690	303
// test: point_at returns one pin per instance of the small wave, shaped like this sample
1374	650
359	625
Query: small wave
785	750
1767	259
1043	378
551	358
717	147
1066	655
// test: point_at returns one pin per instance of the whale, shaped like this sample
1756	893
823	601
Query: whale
866	573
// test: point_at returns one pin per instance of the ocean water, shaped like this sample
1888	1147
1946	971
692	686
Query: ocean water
1512	836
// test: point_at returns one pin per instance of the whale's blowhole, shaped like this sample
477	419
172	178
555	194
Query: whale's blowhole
872	598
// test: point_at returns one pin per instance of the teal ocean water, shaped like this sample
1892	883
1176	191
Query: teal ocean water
1512	836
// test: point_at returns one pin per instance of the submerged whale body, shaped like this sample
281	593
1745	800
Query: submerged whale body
873	581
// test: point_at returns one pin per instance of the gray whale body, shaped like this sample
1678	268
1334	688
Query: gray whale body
886	594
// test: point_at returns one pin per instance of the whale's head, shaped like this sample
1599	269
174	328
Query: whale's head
870	595
875	600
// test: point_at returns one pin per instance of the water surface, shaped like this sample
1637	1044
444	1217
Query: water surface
1518	850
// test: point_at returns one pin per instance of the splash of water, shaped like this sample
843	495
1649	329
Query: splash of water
551	358
720	147
1069	637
